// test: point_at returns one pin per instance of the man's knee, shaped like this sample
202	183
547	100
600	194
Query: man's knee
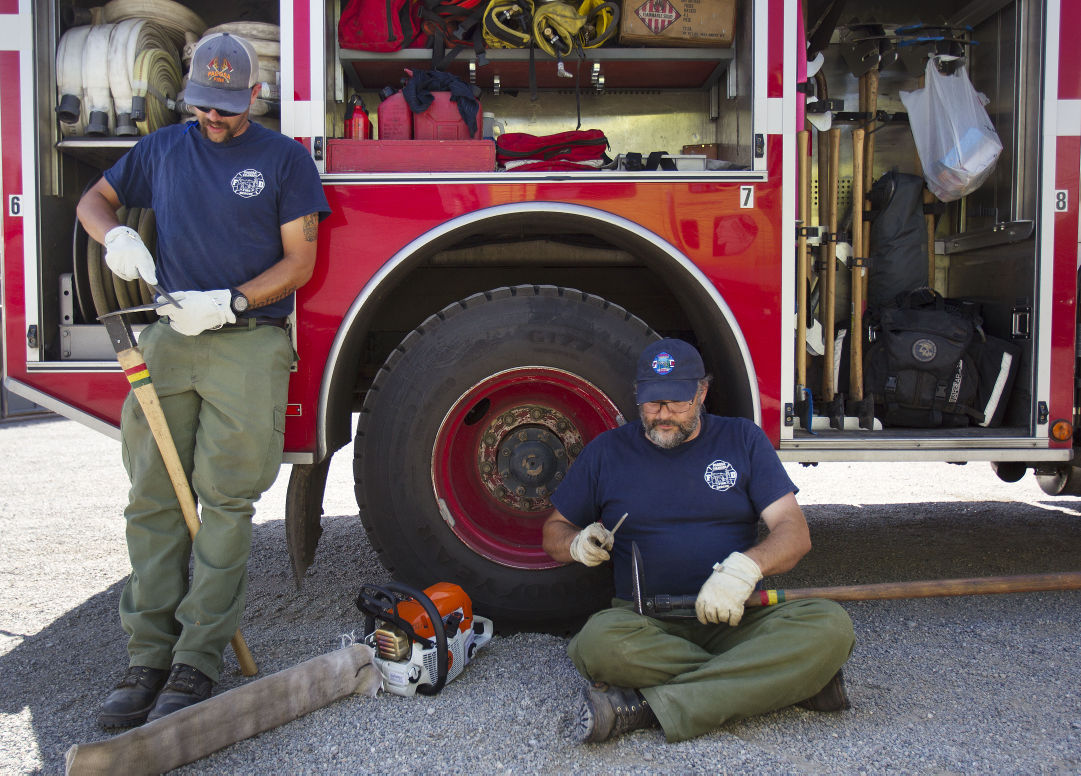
833	626
592	647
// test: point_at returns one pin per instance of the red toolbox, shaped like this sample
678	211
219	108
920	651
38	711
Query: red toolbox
410	155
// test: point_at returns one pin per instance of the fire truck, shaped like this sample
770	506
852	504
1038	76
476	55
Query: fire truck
468	331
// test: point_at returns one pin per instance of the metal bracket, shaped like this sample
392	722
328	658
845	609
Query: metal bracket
1021	322
497	84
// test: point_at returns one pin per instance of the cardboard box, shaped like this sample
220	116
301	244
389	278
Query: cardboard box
702	23
709	150
410	155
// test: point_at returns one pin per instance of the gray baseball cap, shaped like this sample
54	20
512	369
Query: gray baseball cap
224	68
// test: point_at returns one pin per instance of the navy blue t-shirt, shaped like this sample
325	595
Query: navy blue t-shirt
219	207
688	507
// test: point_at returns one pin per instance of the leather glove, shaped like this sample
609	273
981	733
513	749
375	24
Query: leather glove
198	311
722	597
127	257
590	547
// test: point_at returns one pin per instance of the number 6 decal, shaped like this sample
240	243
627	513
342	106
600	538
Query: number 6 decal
15	205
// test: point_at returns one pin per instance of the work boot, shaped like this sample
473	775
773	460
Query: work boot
605	712
186	686
832	697
133	697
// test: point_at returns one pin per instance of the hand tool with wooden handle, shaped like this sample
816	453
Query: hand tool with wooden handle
829	298
135	369
855	367
675	606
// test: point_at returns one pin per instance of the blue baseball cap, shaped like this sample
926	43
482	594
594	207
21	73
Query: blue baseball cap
224	68
668	370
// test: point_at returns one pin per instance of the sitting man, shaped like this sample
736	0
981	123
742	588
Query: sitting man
694	486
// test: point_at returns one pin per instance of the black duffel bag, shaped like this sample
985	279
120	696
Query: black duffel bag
920	371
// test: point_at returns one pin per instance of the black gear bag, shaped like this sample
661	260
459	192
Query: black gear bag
920	370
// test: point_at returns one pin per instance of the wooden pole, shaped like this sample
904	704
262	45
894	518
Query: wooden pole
803	139
855	367
829	297
131	361
887	591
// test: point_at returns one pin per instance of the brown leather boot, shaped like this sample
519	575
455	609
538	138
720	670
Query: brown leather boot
605	711
832	697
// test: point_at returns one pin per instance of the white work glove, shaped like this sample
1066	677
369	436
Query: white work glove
198	311
590	547
127	257
721	599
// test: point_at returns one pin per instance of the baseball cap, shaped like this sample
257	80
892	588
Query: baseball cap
224	68
668	370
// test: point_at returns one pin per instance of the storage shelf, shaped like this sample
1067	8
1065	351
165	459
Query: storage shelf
100	152
620	68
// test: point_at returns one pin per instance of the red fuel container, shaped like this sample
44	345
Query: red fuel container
442	121
394	117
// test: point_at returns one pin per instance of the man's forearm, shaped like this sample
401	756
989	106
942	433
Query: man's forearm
556	539
782	549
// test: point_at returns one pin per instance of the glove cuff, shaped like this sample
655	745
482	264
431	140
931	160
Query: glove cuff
740	566
121	231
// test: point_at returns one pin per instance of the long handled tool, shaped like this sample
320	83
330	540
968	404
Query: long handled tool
855	369
802	270
885	591
829	255
131	361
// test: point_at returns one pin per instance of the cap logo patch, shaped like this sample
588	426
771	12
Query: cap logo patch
663	363
219	72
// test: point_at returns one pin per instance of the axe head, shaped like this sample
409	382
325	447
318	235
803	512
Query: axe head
636	578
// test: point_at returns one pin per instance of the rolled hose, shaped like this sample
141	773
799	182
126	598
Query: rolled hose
130	38
69	80
155	84
173	17
96	92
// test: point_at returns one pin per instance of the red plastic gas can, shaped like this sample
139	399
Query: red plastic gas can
394	116
442	121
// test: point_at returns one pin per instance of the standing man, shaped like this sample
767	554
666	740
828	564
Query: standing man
694	487
237	209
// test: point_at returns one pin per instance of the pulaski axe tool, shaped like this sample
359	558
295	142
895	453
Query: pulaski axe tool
135	369
664	606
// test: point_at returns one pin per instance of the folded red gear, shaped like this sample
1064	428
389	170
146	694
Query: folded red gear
579	145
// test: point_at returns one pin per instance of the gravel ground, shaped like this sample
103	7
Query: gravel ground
972	685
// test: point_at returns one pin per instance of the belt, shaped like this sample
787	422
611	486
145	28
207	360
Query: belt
257	320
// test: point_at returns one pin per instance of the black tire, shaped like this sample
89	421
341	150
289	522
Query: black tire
404	423
1065	481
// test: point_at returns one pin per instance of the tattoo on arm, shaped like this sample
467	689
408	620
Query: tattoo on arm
278	297
311	227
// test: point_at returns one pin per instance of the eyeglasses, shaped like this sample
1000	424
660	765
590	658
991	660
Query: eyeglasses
225	114
673	406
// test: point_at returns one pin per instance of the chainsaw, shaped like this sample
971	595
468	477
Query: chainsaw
421	640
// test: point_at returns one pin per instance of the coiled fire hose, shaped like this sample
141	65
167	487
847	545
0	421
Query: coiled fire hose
173	17
159	74
69	81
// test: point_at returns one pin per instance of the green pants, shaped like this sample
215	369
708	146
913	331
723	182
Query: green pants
223	393
696	677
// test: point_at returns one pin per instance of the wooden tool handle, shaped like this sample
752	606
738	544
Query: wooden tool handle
829	298
131	361
886	591
803	139
855	369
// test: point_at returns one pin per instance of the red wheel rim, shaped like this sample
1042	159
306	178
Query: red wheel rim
503	447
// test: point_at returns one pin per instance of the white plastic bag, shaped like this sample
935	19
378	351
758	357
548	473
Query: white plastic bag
956	141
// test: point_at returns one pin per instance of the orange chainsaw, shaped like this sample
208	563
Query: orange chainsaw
422	640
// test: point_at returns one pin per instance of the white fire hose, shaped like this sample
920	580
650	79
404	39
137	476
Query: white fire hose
172	16
131	40
96	92
69	81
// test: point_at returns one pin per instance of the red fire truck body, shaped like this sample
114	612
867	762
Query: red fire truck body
456	317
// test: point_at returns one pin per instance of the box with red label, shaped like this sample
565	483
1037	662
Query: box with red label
410	155
678	22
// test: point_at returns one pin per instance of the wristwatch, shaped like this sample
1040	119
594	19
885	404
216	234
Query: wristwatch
238	303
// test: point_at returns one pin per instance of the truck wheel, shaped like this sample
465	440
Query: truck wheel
471	423
1064	481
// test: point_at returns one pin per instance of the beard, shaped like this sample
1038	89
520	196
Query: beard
230	132
670	438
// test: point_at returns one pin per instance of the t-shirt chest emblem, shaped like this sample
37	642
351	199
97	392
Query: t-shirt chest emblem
248	183
721	475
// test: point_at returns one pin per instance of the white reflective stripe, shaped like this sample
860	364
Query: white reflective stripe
774	115
1068	118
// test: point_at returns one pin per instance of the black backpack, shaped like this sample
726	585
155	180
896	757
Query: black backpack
920	370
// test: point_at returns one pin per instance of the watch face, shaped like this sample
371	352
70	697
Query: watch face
240	302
